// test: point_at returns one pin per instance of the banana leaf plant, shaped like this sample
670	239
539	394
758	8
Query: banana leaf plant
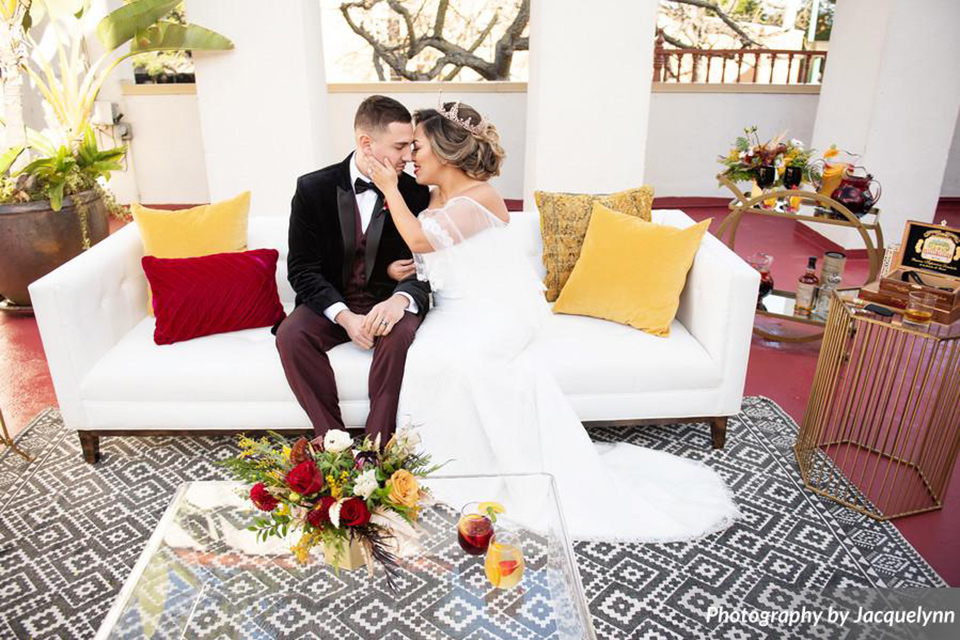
69	85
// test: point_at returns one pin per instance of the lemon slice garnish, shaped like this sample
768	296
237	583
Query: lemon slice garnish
496	507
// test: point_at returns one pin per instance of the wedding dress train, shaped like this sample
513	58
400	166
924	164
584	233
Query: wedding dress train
480	399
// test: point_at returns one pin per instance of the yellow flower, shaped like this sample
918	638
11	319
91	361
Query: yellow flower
404	489
285	454
336	488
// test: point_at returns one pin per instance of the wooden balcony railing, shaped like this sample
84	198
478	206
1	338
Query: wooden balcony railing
731	66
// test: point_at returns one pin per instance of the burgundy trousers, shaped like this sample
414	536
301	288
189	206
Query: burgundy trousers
303	340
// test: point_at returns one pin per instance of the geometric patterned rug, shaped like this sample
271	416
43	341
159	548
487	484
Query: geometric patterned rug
70	534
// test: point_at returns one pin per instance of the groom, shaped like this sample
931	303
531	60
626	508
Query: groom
352	275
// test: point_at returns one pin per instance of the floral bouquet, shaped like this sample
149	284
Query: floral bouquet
748	153
335	491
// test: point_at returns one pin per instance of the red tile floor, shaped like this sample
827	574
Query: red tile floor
780	371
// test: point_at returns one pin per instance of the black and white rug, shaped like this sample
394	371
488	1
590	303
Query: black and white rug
70	534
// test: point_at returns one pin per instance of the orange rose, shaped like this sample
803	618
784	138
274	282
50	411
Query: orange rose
404	489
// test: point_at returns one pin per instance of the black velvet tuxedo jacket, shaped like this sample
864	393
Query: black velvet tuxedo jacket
323	240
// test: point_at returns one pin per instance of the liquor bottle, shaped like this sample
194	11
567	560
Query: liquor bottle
831	282
807	289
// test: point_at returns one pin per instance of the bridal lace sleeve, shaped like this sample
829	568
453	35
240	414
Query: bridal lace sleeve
460	219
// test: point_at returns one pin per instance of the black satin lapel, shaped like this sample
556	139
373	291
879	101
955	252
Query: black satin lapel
374	232
346	207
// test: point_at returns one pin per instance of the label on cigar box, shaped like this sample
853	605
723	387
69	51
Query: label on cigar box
932	248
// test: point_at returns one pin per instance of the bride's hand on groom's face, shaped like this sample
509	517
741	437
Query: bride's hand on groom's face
382	173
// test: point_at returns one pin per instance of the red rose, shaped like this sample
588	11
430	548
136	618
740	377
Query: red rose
354	513
305	478
262	499
321	515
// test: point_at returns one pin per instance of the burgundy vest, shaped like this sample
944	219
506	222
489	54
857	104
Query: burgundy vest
355	289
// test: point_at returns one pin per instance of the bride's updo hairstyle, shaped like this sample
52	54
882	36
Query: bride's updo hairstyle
476	150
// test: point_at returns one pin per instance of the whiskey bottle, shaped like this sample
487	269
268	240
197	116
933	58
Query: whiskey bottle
807	289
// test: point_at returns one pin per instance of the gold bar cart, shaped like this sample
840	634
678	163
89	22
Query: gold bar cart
780	304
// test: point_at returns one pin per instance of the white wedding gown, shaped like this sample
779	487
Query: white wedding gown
480	399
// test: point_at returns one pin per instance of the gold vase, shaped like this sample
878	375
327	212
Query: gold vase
350	559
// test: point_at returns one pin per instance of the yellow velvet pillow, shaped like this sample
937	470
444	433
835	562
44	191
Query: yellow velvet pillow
220	227
631	271
563	223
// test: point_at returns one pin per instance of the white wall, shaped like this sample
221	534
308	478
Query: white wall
951	177
505	110
687	131
587	114
166	153
893	102
263	105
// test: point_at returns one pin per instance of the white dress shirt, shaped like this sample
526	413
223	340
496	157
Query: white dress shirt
366	201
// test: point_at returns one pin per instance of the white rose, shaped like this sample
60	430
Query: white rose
366	484
336	441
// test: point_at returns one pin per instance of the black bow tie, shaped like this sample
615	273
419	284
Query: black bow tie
359	186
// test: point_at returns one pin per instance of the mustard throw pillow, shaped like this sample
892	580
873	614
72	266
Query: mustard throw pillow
563	223
631	271
220	227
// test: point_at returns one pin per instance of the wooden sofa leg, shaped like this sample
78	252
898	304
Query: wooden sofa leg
90	443
718	431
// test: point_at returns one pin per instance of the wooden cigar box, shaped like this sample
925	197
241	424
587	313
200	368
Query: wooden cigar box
932	253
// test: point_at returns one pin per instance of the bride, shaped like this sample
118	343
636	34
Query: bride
472	385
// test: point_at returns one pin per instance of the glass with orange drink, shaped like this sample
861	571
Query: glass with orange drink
504	562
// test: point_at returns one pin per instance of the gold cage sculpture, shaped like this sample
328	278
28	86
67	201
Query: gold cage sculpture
881	431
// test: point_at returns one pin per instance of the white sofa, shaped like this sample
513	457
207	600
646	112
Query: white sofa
111	379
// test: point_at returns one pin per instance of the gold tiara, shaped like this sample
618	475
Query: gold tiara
451	114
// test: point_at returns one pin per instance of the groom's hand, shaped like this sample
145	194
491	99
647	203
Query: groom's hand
353	325
401	269
383	317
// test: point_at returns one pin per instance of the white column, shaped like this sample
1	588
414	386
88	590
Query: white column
263	105
588	96
891	93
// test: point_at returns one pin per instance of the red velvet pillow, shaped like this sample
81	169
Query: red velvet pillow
219	293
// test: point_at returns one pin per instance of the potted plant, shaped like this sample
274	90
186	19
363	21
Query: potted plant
52	201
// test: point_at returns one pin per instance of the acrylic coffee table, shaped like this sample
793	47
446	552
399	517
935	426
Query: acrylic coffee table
202	574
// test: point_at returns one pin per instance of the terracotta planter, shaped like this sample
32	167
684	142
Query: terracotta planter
35	240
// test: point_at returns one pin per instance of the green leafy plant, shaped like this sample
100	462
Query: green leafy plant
65	159
67	170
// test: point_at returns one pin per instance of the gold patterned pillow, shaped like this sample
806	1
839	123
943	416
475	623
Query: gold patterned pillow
564	218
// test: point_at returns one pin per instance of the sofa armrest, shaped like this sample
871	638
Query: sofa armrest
83	308
717	307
